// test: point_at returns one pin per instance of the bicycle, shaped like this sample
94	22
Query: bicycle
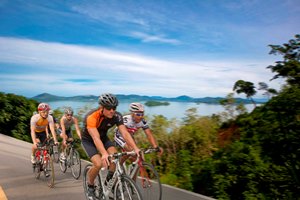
44	162
120	186
146	176
72	159
53	150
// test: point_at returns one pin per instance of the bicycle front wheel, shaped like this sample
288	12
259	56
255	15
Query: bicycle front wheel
126	189
55	153
97	183
148	182
75	164
49	170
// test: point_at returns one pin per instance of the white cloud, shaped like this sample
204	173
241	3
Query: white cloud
55	64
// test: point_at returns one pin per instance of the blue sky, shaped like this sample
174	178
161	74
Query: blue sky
160	47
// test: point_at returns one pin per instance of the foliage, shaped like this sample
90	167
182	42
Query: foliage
156	103
15	114
289	67
245	87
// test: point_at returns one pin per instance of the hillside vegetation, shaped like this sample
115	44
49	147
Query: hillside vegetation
235	155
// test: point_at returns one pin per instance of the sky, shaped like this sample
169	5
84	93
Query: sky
169	48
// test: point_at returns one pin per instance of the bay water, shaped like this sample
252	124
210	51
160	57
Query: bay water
173	110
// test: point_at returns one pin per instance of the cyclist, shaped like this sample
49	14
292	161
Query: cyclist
95	140
133	122
38	127
66	123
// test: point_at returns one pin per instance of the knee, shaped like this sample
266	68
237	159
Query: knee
97	164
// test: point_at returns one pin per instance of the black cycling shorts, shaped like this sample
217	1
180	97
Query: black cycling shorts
69	133
42	136
90	147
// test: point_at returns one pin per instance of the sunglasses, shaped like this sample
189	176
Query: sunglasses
139	114
69	115
110	107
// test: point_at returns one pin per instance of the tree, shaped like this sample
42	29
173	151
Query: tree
289	68
268	91
245	87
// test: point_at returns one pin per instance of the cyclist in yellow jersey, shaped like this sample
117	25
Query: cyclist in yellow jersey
38	127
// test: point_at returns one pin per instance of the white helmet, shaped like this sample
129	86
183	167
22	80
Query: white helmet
136	107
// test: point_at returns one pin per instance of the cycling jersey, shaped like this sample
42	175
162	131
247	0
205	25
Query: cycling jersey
68	124
95	119
40	123
132	128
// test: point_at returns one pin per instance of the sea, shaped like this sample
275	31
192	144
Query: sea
175	110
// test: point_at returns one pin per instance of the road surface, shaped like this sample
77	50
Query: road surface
17	180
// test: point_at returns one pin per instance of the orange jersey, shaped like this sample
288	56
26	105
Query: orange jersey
40	123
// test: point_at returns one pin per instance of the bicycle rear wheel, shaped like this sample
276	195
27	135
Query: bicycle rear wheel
126	189
97	184
148	182
75	164
49	170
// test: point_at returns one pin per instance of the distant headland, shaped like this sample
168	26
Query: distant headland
46	97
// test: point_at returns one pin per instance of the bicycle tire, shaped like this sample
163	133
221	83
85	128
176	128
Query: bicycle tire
148	182
63	164
75	164
37	167
37	170
55	153
97	183
48	167
126	189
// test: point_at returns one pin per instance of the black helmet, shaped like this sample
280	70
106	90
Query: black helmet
108	100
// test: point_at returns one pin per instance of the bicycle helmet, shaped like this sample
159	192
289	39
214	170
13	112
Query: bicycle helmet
68	111
43	107
50	112
108	100
136	107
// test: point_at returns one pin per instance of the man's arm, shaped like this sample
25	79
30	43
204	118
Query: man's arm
77	127
32	131
126	135
63	129
53	132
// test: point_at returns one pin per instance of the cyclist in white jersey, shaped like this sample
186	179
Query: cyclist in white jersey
38	126
133	123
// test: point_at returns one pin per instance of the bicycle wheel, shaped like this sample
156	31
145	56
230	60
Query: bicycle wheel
126	189
63	164
37	170
48	169
75	164
97	183
55	153
148	182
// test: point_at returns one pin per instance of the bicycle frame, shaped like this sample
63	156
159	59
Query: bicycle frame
115	158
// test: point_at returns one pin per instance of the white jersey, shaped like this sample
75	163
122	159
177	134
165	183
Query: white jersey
132	128
40	123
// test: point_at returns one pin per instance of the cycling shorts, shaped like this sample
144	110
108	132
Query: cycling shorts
42	136
91	149
69	133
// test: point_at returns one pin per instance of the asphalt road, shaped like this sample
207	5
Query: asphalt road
17	181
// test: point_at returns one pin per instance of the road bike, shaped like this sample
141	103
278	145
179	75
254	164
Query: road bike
53	150
72	159
119	187
44	162
145	175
